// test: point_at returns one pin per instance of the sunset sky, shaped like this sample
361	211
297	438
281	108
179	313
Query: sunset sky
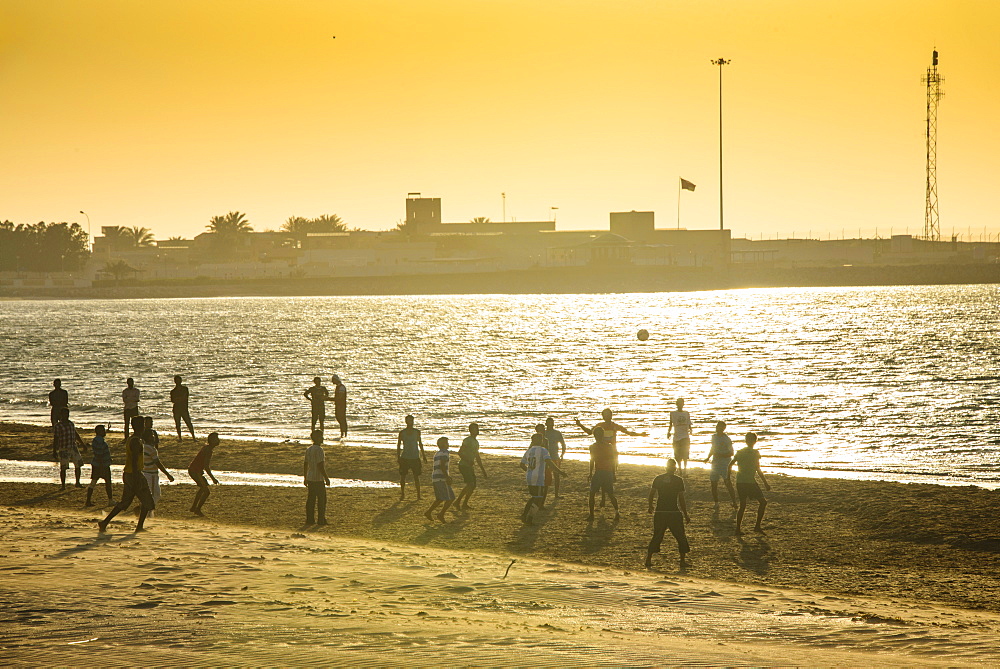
163	114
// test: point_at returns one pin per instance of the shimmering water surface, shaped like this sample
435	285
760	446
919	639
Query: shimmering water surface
898	383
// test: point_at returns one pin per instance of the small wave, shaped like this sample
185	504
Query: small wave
13	401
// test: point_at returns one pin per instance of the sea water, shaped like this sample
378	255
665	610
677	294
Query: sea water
897	383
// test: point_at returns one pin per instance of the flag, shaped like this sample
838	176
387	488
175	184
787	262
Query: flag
687	185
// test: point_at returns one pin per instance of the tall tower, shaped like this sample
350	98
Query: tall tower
932	225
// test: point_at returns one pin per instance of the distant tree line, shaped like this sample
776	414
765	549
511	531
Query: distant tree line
42	247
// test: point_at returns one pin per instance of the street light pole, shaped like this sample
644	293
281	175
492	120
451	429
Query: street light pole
90	237
720	62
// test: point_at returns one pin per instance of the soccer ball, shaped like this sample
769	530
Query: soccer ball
642	335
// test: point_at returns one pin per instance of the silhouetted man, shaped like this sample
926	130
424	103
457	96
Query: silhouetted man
130	397
179	396
748	460
201	465
409	451
468	459
611	430
318	396
340	405
721	455
135	482
316	480
557	448
603	466
668	490
58	399
66	444
680	425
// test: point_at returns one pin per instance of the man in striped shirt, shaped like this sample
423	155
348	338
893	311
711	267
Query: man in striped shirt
65	440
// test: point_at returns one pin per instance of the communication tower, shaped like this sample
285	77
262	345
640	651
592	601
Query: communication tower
933	80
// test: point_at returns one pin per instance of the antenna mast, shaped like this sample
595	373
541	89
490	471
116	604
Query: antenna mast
932	224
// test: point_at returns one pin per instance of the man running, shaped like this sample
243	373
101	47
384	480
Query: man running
680	425
65	443
557	448
58	399
603	465
721	455
135	482
179	396
130	398
340	405
409	451
441	480
611	430
201	465
748	461
318	396
668	489
535	461
315	480
468	455
100	464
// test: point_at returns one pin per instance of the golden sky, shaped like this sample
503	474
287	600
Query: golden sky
163	114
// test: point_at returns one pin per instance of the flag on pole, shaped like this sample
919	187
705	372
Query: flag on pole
687	185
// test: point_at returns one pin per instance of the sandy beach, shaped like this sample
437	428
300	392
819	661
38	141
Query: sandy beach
846	572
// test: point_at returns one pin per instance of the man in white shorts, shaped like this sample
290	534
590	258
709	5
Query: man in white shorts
680	425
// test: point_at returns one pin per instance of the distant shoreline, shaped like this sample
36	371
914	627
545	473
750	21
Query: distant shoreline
562	280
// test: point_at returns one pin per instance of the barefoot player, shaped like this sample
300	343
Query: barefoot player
748	461
671	512
201	465
468	456
409	451
441	480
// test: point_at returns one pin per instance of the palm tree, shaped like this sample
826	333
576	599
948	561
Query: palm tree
136	236
298	226
232	224
328	223
480	219
119	270
115	235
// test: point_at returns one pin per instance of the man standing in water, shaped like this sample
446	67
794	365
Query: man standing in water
680	424
468	459
668	489
340	405
603	465
58	399
721	455
316	480
65	443
130	397
201	465
748	460
135	482
409	451
318	396
179	396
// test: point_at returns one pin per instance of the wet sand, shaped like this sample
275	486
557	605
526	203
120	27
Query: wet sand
880	553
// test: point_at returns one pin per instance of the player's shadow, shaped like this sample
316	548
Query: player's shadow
395	512
597	534
754	554
99	540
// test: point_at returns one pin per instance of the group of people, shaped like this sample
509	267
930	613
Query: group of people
142	459
541	463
